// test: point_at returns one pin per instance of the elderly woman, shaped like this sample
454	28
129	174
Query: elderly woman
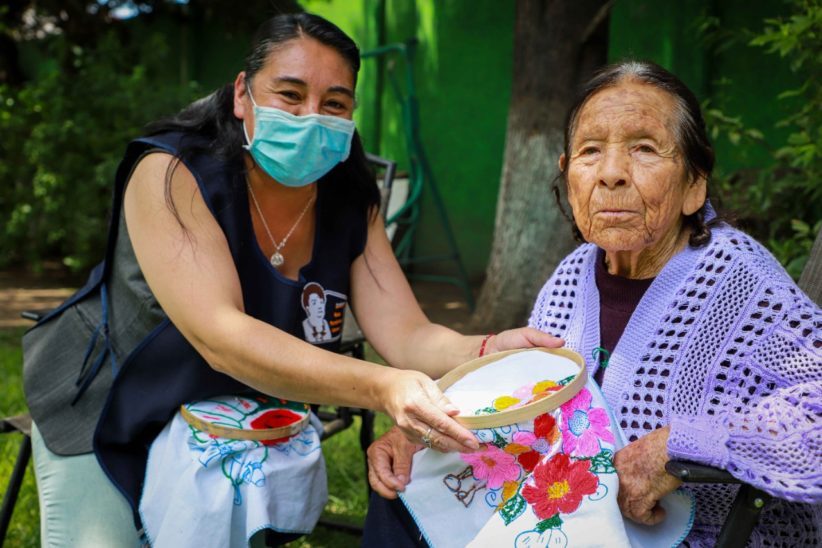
707	351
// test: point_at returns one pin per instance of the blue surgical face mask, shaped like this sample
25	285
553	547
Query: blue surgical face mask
297	150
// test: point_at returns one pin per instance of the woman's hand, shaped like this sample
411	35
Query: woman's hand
420	409
389	463
523	337
643	480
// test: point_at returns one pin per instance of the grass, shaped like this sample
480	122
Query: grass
24	529
344	461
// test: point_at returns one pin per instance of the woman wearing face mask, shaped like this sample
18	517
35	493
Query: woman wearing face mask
222	217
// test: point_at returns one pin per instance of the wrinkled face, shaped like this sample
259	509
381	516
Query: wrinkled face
627	181
302	76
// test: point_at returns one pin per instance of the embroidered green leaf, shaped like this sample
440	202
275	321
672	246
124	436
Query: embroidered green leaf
566	380
485	411
198	435
513	508
554	522
602	463
499	441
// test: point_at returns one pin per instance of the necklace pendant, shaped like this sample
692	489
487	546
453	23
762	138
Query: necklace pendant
276	259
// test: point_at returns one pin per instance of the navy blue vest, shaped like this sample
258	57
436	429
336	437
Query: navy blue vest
164	370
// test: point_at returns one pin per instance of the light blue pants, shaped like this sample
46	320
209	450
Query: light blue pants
79	506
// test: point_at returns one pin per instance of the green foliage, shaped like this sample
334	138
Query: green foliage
780	204
63	135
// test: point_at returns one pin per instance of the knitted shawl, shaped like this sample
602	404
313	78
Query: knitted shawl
725	349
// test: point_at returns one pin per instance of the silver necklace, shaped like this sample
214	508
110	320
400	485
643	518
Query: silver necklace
277	258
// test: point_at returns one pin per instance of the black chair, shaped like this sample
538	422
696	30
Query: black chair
334	420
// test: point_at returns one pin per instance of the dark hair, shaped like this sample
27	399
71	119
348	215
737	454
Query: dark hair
312	288
690	133
219	132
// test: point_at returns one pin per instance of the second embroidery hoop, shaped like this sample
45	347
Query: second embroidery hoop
528	411
212	425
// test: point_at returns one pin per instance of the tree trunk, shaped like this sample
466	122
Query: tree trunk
557	45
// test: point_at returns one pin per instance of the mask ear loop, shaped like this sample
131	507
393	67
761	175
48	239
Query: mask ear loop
247	144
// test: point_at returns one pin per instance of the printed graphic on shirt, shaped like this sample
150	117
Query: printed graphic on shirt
324	313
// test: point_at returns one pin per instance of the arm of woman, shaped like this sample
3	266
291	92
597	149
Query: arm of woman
772	442
773	445
190	271
393	322
396	326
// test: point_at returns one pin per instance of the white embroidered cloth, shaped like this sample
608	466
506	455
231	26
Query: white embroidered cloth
202	490
549	481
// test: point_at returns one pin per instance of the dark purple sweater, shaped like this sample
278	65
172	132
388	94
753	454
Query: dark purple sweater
618	298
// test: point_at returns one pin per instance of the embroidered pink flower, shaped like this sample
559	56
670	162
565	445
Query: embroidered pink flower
559	486
493	465
583	426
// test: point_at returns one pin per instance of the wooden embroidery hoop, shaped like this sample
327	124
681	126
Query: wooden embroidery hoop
526	412
261	434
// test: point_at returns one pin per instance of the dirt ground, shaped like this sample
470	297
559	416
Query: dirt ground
19	292
442	303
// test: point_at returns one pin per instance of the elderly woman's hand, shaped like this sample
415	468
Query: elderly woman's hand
523	337
420	409
389	463
643	480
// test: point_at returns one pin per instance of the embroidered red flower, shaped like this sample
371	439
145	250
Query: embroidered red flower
273	419
530	446
559	486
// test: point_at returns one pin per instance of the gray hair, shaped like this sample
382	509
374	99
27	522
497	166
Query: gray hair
690	133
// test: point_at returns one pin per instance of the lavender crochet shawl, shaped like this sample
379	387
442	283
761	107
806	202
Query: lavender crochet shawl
727	350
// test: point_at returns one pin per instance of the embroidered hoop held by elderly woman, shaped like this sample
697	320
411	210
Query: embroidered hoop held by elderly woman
545	473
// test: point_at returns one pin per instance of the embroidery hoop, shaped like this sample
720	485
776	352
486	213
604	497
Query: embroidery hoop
261	434
526	412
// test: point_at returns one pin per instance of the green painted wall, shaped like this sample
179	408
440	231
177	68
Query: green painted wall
663	32
463	80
